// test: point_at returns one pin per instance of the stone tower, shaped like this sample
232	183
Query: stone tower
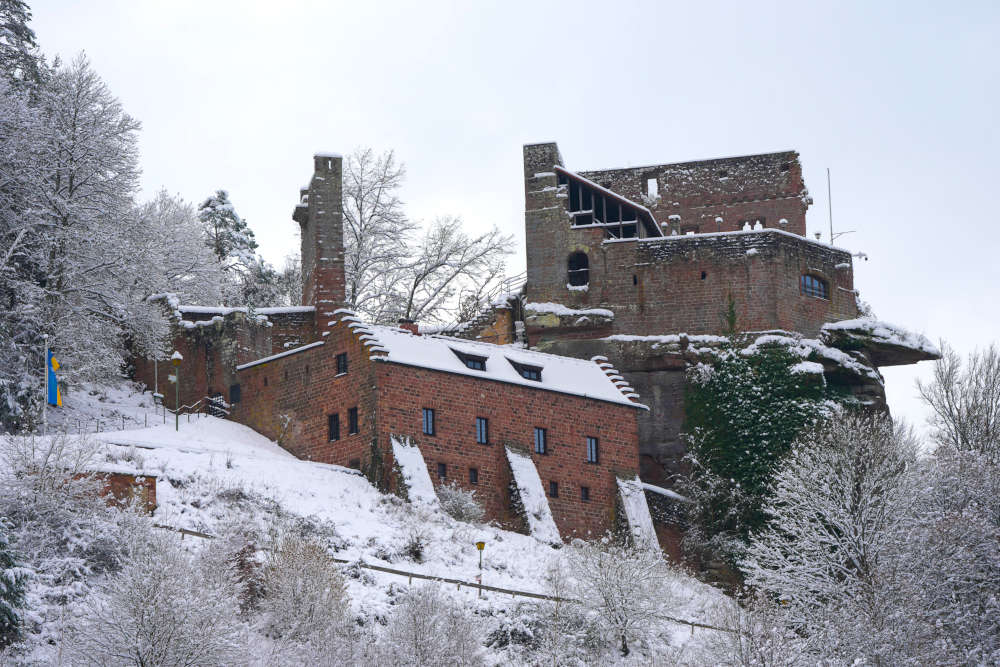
320	215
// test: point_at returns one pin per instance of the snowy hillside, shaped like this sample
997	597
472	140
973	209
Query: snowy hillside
218	477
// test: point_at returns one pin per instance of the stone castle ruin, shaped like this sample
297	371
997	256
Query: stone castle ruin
580	373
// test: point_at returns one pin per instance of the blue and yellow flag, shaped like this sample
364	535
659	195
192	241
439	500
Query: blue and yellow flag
55	398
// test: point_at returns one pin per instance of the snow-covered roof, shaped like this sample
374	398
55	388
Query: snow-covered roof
562	374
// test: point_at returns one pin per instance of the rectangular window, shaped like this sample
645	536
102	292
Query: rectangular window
428	421
473	475
585	494
442	470
591	450
541	446
341	363
482	430
352	421
234	393
527	372
553	489
333	426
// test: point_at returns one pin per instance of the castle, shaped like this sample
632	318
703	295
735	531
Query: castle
536	402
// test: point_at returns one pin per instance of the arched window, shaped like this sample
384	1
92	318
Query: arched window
579	269
814	286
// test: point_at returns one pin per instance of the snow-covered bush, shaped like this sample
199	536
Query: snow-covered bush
626	587
63	531
760	636
162	608
415	541
429	629
459	503
304	592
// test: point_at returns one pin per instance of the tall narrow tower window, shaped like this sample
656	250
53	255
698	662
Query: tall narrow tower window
579	269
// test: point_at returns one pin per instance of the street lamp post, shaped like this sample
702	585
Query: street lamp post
480	545
176	359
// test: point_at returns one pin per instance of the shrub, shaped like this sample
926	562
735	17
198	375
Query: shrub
460	504
429	629
304	592
160	609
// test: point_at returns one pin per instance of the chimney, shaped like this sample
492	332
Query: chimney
409	325
320	217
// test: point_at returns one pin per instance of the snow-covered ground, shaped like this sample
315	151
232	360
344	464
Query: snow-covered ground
214	476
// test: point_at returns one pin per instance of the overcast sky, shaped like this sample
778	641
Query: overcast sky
900	101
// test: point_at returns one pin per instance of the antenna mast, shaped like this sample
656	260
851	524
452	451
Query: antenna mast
829	203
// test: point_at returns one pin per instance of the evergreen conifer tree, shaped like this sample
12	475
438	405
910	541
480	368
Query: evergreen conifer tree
226	233
12	589
19	57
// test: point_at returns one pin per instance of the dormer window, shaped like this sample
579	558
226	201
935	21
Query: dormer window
527	372
472	361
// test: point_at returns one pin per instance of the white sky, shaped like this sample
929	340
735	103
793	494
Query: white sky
899	100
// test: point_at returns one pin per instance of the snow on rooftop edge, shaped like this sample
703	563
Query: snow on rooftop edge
327	154
566	375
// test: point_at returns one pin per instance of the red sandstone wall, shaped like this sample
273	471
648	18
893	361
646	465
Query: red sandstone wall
302	389
683	284
513	412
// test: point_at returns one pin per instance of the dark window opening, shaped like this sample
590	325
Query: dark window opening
528	372
341	363
583	219
442	471
265	382
585	494
352	421
814	286
586	199
473	475
574	196
333	427
592	450
635	279
579	269
562	179
428	425
553	489
475	362
354	463
598	209
234	393
612	210
541	444
482	430
703	275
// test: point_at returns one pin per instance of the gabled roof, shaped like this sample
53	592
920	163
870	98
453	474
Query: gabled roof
560	374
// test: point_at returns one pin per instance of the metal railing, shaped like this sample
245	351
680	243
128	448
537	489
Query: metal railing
478	586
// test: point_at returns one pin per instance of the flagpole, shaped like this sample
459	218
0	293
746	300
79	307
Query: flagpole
45	397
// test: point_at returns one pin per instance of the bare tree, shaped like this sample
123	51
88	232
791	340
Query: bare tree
429	629
393	271
627	587
447	260
376	230
838	513
965	399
